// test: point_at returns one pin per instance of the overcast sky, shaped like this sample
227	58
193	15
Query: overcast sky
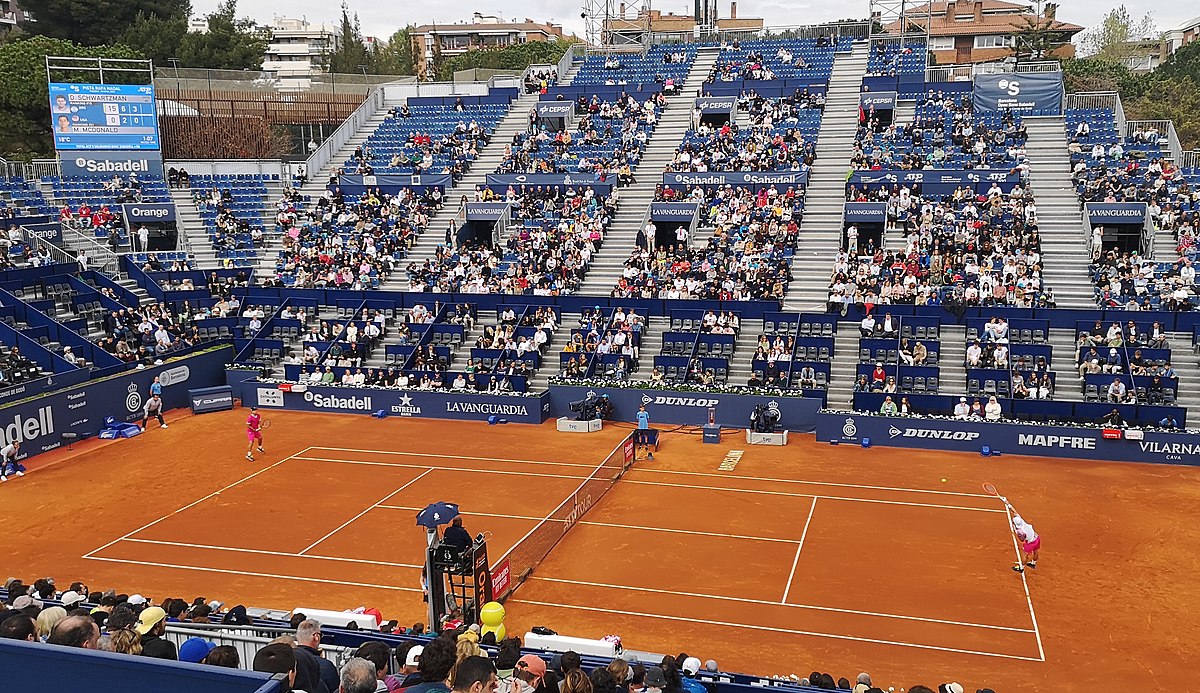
383	18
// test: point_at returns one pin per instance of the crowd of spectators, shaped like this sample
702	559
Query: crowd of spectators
1109	168
781	137
608	139
551	240
747	256
538	82
945	133
350	243
441	659
960	250
226	229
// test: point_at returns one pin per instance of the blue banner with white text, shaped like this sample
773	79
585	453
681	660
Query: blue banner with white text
1099	213
971	435
797	414
682	212
430	404
865	212
738	179
1032	93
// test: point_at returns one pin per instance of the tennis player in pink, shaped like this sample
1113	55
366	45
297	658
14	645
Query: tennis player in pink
1030	542
254	433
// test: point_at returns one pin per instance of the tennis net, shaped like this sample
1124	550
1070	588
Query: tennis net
532	549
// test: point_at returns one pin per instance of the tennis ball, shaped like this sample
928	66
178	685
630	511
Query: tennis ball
943	481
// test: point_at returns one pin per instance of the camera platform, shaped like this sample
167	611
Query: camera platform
569	425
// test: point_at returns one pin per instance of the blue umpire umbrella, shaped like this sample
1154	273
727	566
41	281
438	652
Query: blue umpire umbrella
435	514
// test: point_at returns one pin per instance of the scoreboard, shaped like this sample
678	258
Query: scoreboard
103	116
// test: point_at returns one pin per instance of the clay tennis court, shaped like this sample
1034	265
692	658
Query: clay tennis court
810	556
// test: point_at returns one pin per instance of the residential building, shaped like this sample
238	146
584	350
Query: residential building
297	48
676	28
432	42
1182	35
984	31
11	16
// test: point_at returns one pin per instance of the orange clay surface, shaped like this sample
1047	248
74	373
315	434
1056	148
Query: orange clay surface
805	557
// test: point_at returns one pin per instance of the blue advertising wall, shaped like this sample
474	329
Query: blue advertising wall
881	100
101	164
486	211
40	422
797	414
1116	212
865	212
555	109
936	181
1007	438
1031	93
674	211
30	666
716	104
738	179
392	183
365	400
148	212
500	182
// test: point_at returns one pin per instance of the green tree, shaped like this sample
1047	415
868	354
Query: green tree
1114	38
1036	38
156	38
97	22
1174	99
394	57
24	95
351	53
515	57
229	44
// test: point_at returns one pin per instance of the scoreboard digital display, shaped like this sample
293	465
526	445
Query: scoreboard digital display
103	116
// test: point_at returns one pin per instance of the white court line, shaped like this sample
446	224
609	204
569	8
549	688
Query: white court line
445	469
607	524
812	483
796	560
381	501
665	471
262	575
272	553
808	607
148	525
456	457
1025	583
811	495
835	636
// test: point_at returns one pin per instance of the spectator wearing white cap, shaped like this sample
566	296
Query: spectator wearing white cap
72	599
689	669
962	410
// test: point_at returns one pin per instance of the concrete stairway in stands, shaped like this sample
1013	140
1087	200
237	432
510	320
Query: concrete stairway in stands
1065	254
652	340
843	366
192	230
742	362
633	200
821	229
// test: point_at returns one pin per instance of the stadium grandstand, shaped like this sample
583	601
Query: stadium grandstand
704	281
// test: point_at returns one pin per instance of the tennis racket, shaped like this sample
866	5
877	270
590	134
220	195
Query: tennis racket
989	489
264	424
